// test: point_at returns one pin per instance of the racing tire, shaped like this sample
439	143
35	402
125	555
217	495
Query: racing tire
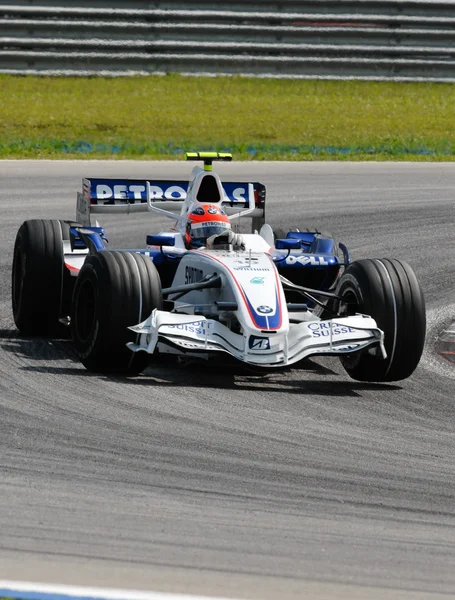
388	291
37	277
113	291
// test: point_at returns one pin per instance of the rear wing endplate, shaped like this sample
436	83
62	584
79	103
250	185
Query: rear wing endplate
127	196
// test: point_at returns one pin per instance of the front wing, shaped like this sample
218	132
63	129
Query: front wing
197	334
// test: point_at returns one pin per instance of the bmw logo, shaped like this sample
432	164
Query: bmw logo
265	310
212	211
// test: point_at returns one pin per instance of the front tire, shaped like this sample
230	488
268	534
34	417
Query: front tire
388	291
113	291
37	277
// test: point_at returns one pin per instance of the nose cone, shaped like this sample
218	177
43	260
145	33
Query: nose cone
262	294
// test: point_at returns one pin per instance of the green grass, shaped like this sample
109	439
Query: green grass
160	117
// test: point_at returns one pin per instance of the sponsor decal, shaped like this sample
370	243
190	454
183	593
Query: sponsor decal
131	193
258	343
212	211
119	192
349	348
323	329
257	280
198	327
192	275
250	269
174	192
238	194
264	309
205	224
307	260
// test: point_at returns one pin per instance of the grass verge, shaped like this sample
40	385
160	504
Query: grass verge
160	117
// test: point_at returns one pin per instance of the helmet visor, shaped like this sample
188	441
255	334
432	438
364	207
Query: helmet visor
199	232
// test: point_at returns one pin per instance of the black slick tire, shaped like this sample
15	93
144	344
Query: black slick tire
388	291
37	277
113	291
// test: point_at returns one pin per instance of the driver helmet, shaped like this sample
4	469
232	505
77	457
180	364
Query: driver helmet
203	222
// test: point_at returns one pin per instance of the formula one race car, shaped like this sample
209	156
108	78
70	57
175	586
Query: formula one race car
203	288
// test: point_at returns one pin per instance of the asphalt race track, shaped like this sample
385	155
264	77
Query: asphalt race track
285	485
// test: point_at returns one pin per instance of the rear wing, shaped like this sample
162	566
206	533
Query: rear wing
126	196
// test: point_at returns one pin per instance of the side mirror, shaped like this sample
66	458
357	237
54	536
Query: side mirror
288	244
160	240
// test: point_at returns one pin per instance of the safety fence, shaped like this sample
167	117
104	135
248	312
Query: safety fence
338	39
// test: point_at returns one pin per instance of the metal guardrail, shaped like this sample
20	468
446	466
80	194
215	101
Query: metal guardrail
325	39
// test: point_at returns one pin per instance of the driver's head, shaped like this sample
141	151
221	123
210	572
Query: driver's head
203	222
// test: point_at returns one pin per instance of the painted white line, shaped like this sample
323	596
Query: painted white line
56	592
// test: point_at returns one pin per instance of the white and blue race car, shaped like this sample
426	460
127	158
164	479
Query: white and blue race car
267	301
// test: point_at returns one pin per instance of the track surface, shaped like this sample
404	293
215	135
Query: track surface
228	483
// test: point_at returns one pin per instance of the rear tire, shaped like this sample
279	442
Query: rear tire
388	291
37	277
113	291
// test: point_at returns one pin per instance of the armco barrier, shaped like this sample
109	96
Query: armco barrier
338	39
